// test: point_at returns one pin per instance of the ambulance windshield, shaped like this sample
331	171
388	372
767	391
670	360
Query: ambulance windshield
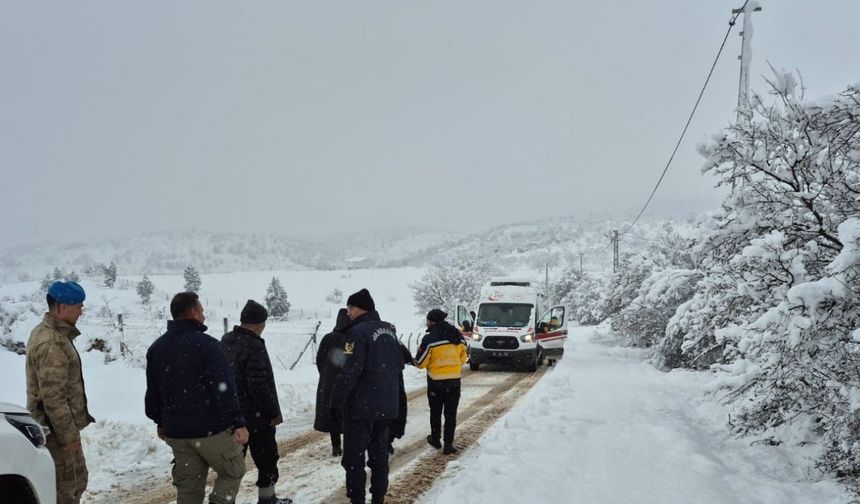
504	315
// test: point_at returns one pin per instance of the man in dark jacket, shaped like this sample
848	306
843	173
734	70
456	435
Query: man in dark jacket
330	360
191	396
366	392
255	385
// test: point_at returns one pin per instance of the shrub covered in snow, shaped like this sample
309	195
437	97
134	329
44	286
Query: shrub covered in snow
457	281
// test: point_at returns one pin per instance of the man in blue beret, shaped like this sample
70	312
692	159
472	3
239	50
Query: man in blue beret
55	387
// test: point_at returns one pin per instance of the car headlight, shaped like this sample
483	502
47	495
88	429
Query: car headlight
475	336
527	338
28	427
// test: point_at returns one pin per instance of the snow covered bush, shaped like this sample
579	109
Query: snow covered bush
642	323
801	359
458	281
583	293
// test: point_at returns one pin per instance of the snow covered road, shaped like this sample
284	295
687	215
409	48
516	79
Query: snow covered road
604	427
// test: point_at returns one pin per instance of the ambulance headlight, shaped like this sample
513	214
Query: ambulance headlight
475	336
527	338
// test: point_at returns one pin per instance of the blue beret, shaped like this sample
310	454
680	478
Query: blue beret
67	292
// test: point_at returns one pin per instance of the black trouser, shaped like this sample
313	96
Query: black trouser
369	436
335	439
264	451
444	396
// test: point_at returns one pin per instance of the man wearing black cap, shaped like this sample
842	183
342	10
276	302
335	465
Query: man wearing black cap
366	396
442	352
258	396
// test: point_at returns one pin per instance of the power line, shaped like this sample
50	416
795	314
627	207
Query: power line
689	119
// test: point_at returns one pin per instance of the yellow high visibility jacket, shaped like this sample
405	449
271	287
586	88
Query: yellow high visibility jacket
442	352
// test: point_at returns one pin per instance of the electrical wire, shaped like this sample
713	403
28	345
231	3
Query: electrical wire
689	119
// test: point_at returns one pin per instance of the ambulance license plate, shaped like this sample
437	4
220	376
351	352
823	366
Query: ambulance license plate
501	354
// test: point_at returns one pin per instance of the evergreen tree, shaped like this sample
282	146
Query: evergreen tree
192	279
145	289
110	275
276	299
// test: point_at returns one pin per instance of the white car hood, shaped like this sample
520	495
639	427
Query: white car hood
11	408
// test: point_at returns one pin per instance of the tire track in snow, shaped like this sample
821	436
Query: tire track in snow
415	467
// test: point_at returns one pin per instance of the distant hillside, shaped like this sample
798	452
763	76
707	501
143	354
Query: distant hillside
521	245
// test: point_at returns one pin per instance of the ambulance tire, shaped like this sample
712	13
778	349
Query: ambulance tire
474	366
537	360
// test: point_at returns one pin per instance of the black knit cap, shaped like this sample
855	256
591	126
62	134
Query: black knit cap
361	299
253	313
436	315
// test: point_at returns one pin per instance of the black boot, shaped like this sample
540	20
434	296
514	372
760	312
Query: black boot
390	449
336	451
434	442
276	500
377	500
449	449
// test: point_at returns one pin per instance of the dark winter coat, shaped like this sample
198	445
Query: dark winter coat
330	360
398	426
367	387
255	380
190	391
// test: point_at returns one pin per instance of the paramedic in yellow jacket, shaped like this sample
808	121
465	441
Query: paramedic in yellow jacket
55	387
442	352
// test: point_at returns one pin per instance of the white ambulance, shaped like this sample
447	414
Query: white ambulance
513	327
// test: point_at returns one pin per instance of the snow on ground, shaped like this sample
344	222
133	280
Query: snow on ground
121	447
606	427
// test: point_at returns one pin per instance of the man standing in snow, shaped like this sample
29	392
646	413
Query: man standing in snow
258	396
442	352
366	396
55	387
191	396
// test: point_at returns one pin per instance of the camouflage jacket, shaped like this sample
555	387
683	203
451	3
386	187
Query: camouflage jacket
55	383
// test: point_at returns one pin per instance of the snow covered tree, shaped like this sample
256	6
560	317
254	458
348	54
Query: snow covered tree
109	273
192	279
276	299
795	169
446	285
145	288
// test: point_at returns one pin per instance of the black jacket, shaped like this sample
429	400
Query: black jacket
398	426
190	391
255	381
330	360
367	386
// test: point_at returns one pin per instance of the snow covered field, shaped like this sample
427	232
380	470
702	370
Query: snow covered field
606	427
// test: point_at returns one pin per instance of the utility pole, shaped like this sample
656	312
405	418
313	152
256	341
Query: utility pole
614	250
745	58
744	110
546	281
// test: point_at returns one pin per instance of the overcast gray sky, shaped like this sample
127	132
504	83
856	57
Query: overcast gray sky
311	117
